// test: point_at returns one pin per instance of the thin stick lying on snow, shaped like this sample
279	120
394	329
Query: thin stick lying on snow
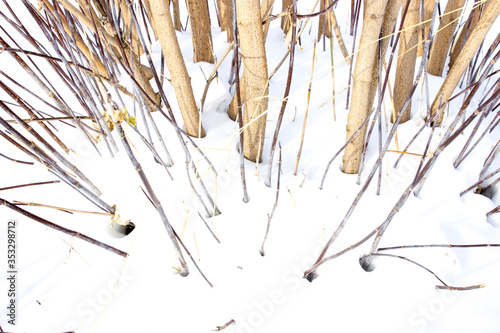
220	328
68	210
437	245
47	223
428	270
270	216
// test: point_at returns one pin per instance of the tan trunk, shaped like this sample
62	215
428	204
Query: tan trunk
428	9
201	35
442	41
232	110
286	20
255	75
390	16
323	25
226	18
407	55
362	77
177	68
469	50
469	26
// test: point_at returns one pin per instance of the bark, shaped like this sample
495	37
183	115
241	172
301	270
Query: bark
255	75
469	50
232	110
428	9
444	36
201	33
465	32
407	56
286	21
226	18
362	77
180	79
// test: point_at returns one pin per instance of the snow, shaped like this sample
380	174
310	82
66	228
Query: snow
67	284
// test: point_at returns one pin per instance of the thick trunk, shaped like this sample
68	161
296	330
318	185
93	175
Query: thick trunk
177	68
407	56
464	58
255	76
201	34
362	78
442	41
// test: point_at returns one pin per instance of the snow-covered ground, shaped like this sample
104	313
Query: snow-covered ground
65	284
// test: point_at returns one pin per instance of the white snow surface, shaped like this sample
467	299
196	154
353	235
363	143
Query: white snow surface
66	284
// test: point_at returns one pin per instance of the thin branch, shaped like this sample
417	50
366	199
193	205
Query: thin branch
47	223
286	94
31	184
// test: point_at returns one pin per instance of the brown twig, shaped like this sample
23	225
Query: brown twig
31	184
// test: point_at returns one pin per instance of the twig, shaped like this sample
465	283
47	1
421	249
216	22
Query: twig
436	245
60	208
428	270
351	60
151	194
307	111
286	94
208	227
31	184
270	216
214	73
14	160
220	328
239	103
480	181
